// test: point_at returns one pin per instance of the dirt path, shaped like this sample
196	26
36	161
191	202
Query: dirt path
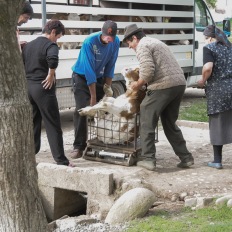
167	180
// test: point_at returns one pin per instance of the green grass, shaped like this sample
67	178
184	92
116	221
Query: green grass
210	219
194	111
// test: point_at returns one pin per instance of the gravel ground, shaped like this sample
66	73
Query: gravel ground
95	227
167	180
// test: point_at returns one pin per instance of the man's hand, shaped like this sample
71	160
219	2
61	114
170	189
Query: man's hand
134	85
49	81
108	90
137	85
201	83
22	44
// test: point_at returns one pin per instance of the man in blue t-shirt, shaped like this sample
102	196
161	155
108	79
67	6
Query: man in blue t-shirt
92	74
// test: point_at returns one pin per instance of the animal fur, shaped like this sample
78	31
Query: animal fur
125	105
115	117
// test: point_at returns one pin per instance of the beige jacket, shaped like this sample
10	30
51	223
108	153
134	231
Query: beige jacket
157	65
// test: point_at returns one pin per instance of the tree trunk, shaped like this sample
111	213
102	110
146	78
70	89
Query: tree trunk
20	204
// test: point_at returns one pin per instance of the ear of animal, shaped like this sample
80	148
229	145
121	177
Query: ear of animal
131	74
135	74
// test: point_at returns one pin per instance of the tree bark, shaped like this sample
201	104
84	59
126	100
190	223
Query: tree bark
20	204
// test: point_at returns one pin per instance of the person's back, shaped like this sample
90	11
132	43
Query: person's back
35	58
222	64
164	69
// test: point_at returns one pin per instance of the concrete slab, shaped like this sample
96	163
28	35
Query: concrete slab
60	188
89	180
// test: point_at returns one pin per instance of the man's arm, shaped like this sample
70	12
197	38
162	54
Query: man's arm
17	34
52	59
206	73
107	87
92	90
136	85
108	80
207	69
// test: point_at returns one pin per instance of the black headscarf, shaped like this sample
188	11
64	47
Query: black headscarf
219	35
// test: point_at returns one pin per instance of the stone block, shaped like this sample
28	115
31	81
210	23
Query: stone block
77	179
223	200
203	202
60	188
99	205
133	204
229	203
190	202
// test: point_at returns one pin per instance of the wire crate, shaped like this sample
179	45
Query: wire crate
113	139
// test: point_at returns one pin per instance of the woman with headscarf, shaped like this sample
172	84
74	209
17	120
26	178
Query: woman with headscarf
217	72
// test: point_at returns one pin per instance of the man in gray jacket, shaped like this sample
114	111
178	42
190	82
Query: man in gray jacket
166	84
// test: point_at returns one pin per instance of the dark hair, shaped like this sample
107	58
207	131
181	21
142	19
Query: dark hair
218	34
54	24
139	35
27	9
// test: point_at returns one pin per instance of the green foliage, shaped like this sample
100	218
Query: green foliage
211	3
194	111
210	219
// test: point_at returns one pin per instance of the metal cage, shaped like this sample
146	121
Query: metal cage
112	139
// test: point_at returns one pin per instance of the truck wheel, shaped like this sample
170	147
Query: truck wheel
118	88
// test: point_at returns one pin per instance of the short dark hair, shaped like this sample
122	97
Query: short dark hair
27	8
139	35
54	24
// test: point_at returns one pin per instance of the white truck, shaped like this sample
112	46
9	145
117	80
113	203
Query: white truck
179	23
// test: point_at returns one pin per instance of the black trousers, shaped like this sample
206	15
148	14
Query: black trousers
82	99
45	107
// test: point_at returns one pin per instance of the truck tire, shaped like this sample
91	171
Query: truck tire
118	88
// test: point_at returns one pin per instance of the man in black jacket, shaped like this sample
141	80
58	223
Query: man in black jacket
25	14
40	58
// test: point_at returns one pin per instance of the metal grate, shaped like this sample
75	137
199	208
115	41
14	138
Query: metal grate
111	130
113	139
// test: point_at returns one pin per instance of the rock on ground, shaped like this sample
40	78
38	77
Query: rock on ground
133	204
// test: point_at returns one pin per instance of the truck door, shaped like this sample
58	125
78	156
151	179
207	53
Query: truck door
203	18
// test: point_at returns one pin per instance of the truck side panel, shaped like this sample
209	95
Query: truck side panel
161	19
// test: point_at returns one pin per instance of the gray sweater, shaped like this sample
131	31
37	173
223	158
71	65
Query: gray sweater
158	66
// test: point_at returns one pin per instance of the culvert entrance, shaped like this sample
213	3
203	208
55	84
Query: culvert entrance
68	202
